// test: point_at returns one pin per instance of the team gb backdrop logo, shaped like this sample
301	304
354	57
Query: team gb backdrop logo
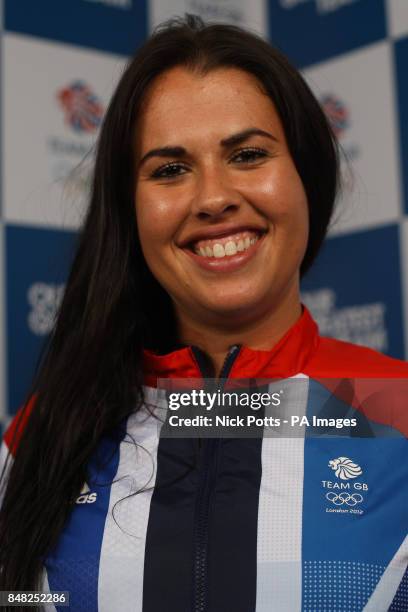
337	114
82	108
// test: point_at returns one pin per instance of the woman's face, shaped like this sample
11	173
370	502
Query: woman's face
221	211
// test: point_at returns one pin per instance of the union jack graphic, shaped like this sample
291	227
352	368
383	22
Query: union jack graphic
83	110
337	114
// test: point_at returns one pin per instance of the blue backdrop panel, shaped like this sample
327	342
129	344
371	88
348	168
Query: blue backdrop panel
118	26
310	31
34	283
364	268
401	63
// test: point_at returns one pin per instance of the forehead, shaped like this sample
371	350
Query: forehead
185	105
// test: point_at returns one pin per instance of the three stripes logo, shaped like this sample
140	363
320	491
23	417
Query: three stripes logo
86	497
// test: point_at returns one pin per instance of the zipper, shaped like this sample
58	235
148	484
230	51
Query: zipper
208	448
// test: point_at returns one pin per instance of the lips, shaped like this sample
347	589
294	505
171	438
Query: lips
227	251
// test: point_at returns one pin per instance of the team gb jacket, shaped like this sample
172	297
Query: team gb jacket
261	524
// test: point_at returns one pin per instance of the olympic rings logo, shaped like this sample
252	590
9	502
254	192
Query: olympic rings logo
344	498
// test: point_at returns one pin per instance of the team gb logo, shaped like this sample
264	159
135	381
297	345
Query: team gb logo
345	468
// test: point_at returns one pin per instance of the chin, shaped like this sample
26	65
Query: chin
233	306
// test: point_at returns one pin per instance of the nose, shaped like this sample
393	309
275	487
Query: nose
215	194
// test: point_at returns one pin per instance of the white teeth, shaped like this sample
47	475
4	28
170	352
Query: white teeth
230	248
218	250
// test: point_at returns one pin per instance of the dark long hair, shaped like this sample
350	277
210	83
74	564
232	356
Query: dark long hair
90	377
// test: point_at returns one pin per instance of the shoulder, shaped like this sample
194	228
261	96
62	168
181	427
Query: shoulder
15	430
343	359
364	379
10	442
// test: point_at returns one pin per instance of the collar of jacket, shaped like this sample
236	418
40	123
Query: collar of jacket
287	358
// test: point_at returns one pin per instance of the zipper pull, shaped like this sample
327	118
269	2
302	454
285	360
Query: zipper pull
225	369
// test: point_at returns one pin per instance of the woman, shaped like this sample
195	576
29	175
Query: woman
215	180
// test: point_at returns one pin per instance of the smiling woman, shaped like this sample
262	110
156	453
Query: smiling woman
222	212
214	185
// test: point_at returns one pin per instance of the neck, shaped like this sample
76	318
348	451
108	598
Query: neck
260	334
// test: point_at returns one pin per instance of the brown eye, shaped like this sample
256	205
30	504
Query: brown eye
249	155
168	171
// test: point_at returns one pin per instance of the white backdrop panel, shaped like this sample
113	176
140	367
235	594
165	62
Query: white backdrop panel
42	148
397	14
362	82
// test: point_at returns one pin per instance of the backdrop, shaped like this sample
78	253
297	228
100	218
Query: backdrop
59	64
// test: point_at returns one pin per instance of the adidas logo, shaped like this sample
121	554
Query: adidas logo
86	497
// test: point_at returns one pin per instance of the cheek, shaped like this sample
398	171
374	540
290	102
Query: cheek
155	218
293	221
280	196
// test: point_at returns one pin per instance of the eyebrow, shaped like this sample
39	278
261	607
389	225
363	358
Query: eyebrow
234	139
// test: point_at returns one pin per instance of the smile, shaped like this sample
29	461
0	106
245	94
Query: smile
227	253
226	246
